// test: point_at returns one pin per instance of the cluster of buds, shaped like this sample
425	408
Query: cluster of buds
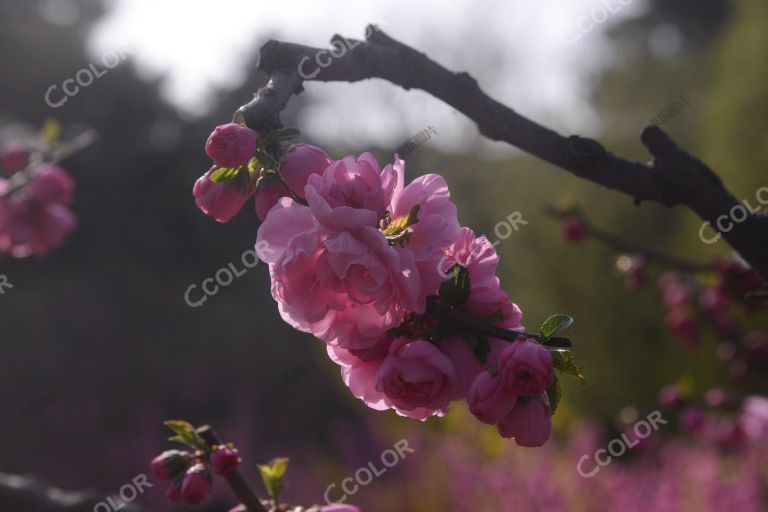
190	472
34	196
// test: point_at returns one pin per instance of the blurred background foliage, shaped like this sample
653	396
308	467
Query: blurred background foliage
100	347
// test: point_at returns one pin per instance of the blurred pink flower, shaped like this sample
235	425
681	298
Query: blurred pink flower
754	418
221	201
28	227
231	145
529	423
526	367
339	507
15	157
50	184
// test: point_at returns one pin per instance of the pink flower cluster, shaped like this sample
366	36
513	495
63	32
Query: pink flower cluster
34	217
356	255
354	267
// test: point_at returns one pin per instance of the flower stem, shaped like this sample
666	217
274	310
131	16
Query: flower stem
236	480
463	321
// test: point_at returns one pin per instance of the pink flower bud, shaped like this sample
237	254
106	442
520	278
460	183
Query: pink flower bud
51	184
488	398
170	464
173	492
573	229
225	460
196	485
526	367
218	200
529	423
27	227
299	163
231	145
15	157
267	196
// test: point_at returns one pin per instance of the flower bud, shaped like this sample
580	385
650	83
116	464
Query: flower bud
221	201
231	145
196	485
170	464
488	398
529	423
526	367
225	460
15	157
573	229
299	163
173	492
51	184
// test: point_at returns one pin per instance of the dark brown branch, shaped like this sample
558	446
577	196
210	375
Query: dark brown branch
466	322
622	244
672	177
236	480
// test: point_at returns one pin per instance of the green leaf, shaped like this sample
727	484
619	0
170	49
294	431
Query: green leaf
553	325
224	174
396	230
272	475
554	393
564	361
455	291
185	434
282	134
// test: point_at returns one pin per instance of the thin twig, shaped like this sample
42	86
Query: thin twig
622	244
466	322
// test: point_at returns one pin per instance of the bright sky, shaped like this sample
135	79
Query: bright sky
536	56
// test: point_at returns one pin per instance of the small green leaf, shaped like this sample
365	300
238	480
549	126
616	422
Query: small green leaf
185	434
564	361
554	393
396	230
455	291
272	474
224	174
553	325
282	134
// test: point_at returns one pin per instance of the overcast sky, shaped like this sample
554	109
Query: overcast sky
536	56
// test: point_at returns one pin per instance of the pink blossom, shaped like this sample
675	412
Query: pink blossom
415	376
486	298
360	285
754	418
169	464
231	145
488	398
50	184
526	367
221	201
28	227
529	423
15	157
438	225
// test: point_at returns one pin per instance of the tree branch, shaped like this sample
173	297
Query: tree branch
672	177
